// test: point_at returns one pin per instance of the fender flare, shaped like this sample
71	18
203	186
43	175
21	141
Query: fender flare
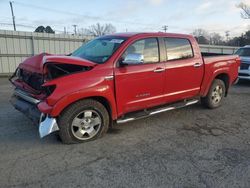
64	102
216	73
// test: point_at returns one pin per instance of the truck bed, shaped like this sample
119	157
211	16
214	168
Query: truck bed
208	54
219	65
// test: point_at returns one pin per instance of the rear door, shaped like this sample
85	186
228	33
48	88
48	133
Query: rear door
139	86
184	70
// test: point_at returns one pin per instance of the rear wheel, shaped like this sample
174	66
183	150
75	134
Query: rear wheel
215	95
83	121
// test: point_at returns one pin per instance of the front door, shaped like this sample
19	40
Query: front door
140	85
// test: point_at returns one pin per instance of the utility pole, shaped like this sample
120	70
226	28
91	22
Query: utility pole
82	30
13	17
74	28
165	28
227	35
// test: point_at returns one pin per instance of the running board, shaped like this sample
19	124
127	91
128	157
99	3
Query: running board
149	112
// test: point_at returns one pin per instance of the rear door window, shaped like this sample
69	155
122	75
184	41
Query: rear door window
178	48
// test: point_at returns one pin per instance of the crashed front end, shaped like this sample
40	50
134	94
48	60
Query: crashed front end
28	105
33	86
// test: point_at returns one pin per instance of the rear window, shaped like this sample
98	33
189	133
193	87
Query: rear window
178	48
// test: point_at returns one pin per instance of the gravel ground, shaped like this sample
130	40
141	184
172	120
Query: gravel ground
189	147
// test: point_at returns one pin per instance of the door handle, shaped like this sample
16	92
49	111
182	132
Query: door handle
108	77
196	65
159	70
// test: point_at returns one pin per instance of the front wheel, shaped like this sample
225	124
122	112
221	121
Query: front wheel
83	121
215	95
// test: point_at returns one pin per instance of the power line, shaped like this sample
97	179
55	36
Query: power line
27	26
77	14
149	26
22	25
52	10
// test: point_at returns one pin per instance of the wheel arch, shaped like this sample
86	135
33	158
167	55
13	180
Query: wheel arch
219	74
104	101
67	101
226	79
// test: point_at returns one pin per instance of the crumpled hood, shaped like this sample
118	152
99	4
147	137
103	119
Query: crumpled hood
36	63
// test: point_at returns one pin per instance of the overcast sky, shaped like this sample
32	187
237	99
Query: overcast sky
132	15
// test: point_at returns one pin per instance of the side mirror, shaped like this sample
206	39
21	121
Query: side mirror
133	59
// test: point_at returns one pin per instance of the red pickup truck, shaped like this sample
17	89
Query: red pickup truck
118	78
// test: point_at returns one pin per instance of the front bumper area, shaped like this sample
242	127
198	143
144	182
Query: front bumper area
26	104
47	125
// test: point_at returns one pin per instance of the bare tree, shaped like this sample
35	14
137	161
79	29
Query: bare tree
216	38
245	10
201	36
200	32
99	30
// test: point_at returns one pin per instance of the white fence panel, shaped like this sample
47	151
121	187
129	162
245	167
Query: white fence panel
16	46
218	49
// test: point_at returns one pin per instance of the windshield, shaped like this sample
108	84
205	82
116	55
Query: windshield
99	50
243	52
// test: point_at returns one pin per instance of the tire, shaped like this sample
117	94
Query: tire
83	121
215	95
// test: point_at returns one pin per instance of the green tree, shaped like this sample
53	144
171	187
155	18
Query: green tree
42	29
48	29
243	40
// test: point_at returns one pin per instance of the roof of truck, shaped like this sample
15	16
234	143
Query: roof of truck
131	34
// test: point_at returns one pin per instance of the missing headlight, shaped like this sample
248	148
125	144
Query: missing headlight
49	89
59	70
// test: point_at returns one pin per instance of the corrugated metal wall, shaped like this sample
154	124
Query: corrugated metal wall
218	49
15	46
